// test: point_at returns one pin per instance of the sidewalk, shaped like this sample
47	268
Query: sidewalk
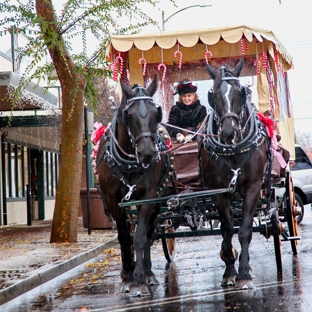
28	259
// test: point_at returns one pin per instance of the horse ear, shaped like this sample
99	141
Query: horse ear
238	68
212	72
151	89
126	89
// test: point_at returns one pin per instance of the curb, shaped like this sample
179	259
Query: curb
36	280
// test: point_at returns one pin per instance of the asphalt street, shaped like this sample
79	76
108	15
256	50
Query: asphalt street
192	282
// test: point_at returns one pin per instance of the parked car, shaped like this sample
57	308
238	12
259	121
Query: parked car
301	173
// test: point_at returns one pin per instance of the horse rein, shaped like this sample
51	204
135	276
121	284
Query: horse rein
118	145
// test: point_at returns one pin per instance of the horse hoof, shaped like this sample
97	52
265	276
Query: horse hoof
139	291
228	281
124	288
244	284
151	280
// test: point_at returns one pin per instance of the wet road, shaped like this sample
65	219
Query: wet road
190	284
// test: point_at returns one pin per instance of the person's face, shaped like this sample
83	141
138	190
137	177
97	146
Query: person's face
188	98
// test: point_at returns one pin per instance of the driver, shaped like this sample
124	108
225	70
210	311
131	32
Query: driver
187	113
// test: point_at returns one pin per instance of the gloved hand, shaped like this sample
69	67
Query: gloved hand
180	137
188	137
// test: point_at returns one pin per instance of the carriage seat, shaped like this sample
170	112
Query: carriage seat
186	164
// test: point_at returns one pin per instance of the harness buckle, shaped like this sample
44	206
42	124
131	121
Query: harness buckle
108	157
131	190
232	184
173	202
214	155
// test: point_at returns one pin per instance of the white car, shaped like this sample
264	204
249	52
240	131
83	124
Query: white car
301	173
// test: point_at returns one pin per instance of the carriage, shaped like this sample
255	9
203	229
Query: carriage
188	203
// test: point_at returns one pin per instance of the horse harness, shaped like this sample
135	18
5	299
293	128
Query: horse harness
255	137
121	165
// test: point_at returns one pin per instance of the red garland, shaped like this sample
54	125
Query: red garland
268	123
98	134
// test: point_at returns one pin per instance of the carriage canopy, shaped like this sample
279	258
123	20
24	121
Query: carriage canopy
176	55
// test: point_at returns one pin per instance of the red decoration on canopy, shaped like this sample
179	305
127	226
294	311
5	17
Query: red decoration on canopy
164	72
181	56
118	58
142	59
206	55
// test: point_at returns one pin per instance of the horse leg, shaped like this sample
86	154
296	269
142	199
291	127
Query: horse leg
139	286
150	278
127	255
228	253
125	241
244	279
147	263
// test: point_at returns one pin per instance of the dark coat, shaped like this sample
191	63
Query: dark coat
186	116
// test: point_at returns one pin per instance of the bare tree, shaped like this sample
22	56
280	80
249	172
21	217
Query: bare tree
103	111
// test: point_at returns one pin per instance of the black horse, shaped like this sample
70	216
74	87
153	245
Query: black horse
234	154
131	166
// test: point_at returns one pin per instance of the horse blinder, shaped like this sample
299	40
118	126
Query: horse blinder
244	94
159	114
211	100
125	118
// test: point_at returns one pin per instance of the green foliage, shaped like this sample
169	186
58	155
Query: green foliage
98	18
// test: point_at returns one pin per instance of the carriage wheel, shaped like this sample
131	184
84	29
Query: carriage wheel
169	243
291	211
300	206
277	239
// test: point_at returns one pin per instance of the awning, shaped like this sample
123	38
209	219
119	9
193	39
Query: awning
189	38
224	45
34	97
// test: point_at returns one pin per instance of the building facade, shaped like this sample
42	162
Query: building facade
29	141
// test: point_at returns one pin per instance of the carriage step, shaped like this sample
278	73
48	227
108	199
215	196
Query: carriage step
290	238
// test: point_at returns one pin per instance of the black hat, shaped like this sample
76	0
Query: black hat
184	87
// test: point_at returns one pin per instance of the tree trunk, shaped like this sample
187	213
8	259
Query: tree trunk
65	218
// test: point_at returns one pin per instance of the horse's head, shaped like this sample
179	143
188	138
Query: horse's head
228	99
140	115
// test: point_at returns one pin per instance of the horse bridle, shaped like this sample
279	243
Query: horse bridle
143	112
223	89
